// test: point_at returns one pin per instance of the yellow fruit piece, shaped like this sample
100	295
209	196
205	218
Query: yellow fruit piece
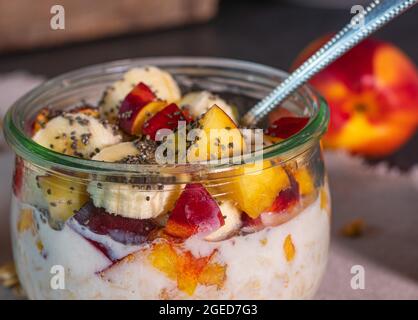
219	137
64	196
25	220
257	187
145	114
213	274
41	119
305	181
187	270
289	248
164	258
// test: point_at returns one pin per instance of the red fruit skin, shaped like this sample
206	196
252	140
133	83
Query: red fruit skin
286	198
167	118
195	212
124	230
187	115
139	97
279	212
250	225
375	82
286	127
280	112
18	177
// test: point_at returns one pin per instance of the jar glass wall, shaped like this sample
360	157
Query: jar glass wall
278	213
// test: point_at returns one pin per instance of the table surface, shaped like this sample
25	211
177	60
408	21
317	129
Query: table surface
266	32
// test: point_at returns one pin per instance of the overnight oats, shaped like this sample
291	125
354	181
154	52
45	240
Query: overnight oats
135	180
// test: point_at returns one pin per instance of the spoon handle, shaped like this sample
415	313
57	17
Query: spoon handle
377	14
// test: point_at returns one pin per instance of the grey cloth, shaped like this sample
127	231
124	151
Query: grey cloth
386	200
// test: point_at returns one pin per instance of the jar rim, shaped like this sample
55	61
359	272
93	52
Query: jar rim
25	147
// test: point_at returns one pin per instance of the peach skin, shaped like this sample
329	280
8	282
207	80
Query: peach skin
372	92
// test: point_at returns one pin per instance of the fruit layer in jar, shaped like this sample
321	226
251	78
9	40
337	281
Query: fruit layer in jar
261	232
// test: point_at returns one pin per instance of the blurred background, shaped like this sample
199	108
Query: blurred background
271	32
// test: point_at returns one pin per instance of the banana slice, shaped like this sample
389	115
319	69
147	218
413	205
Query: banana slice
197	103
130	200
232	217
117	152
161	82
77	134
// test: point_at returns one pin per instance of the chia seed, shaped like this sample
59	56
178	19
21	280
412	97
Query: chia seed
85	138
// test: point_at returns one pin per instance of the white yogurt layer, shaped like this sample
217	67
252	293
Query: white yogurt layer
257	266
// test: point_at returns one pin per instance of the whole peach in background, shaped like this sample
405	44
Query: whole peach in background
372	92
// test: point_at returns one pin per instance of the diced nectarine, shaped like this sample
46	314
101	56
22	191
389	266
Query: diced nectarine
26	221
132	113
146	112
64	196
257	188
219	138
164	258
305	181
184	268
189	269
213	274
195	212
40	120
167	118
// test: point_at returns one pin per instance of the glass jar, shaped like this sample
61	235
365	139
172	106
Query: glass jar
68	243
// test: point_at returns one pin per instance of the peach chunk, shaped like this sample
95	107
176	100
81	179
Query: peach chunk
64	196
219	137
187	270
195	212
137	107
305	181
257	188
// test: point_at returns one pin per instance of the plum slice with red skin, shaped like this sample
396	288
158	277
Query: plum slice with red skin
286	127
121	229
167	118
195	212
133	103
